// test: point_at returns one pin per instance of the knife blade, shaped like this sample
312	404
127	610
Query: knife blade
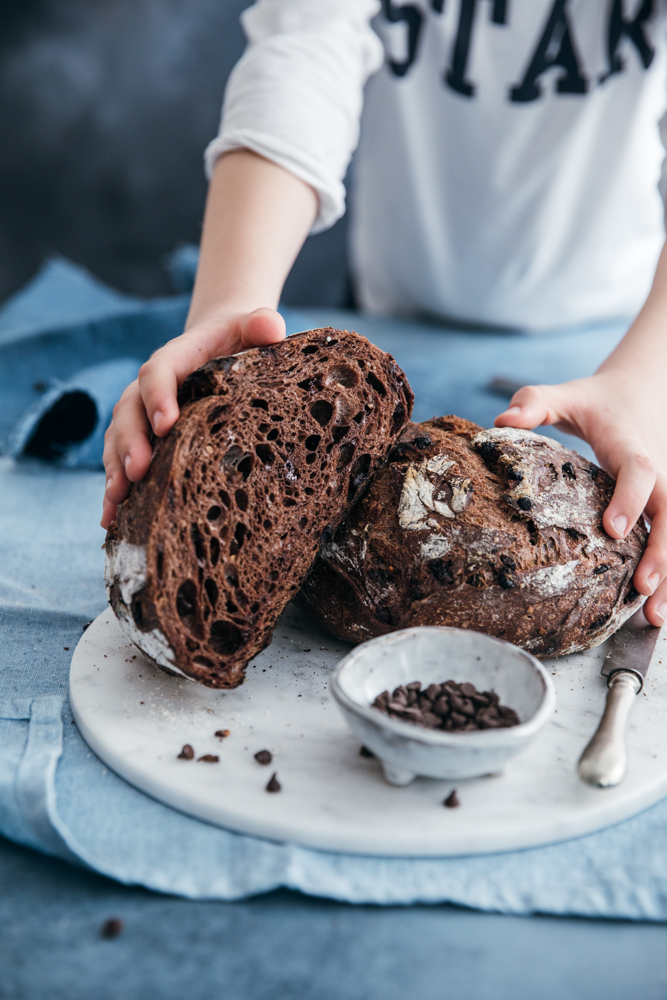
604	761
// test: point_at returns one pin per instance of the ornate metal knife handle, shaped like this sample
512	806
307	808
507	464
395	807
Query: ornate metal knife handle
604	761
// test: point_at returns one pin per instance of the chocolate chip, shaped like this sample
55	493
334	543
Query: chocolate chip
112	928
452	800
441	706
274	784
515	475
508	562
187	753
602	568
263	757
66	648
210	758
421	442
505	580
457	720
430	720
524	503
568	470
469	690
365	752
415	686
433	692
593	471
221	733
487	449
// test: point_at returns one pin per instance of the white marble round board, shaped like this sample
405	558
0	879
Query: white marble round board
136	719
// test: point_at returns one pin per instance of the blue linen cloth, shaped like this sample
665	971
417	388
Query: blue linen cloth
57	797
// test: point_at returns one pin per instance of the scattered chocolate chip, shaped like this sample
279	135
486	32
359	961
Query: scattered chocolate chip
593	471
274	784
515	475
365	752
452	800
221	733
524	503
263	757
602	568
86	626
568	470
306	651
210	758
449	706
187	753
66	648
112	928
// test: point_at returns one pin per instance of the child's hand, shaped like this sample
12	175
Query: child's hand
624	419
150	401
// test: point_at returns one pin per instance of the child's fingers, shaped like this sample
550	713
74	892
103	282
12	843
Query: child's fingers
655	608
651	574
161	375
117	484
262	327
129	436
635	481
108	513
531	406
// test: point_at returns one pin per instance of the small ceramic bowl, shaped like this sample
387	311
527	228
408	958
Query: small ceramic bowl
433	655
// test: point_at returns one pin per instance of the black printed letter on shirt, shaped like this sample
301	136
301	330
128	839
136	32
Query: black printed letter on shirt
413	19
634	30
555	48
455	76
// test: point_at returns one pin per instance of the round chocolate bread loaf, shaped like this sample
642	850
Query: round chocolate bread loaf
271	447
494	530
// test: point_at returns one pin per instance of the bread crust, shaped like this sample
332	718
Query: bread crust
270	450
497	530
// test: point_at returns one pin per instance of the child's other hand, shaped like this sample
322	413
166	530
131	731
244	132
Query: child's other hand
624	419
150	401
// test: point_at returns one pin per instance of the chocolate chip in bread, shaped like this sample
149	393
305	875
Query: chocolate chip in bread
497	530
271	448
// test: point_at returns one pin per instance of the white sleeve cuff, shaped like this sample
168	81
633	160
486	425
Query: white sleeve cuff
330	191
296	95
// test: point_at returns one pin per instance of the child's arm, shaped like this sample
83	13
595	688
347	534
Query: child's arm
622	412
257	217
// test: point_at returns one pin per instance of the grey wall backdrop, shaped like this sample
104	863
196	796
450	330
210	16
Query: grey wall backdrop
105	109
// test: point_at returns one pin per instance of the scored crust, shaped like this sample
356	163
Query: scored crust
497	530
271	447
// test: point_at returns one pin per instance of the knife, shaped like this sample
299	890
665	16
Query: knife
604	761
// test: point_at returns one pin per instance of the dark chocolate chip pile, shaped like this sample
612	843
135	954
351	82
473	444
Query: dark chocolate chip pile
455	708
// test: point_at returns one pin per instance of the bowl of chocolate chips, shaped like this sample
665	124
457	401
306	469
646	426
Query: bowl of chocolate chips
442	702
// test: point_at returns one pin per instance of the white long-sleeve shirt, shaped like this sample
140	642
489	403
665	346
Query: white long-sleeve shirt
509	150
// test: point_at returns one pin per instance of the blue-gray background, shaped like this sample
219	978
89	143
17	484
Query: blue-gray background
105	109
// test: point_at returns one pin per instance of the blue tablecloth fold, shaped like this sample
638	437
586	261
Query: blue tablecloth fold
68	423
57	797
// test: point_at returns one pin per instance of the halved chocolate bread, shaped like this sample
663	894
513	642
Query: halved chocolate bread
270	450
494	530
